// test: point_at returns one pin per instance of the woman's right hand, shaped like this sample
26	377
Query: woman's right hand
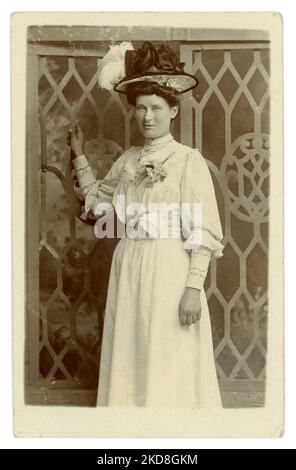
190	306
76	141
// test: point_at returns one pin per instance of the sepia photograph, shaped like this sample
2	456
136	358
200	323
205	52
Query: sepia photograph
148	212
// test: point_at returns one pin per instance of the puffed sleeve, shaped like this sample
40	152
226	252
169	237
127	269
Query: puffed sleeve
95	191
201	226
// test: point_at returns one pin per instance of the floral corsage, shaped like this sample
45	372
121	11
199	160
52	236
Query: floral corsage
150	172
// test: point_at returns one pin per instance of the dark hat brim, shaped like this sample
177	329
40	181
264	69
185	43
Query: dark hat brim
180	81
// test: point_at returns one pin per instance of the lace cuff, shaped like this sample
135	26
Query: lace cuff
85	174
199	264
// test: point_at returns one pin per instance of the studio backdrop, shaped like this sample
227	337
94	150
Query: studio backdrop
226	117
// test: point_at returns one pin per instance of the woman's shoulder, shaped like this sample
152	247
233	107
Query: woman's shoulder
188	152
126	155
130	152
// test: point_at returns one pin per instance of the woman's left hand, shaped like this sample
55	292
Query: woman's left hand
190	306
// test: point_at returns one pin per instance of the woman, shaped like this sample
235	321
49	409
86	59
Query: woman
157	343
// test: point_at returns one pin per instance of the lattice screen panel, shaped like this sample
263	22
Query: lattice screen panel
227	117
73	267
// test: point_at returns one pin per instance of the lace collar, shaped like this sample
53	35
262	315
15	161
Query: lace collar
152	145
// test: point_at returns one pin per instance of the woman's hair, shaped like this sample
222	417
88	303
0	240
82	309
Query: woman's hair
134	90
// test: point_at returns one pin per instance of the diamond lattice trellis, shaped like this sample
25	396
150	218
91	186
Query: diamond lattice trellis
232	103
71	288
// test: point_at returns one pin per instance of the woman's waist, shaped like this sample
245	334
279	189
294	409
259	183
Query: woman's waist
154	224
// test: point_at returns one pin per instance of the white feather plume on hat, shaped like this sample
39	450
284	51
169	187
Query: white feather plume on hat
111	68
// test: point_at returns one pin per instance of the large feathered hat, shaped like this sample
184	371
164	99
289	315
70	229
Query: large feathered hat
124	65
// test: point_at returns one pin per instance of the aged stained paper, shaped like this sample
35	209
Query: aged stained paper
41	420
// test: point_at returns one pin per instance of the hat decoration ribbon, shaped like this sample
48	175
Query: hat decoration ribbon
151	58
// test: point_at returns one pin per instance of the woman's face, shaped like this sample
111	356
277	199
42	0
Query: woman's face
153	115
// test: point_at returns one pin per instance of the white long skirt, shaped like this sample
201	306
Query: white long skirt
147	357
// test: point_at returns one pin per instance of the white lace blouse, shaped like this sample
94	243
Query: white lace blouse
162	173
